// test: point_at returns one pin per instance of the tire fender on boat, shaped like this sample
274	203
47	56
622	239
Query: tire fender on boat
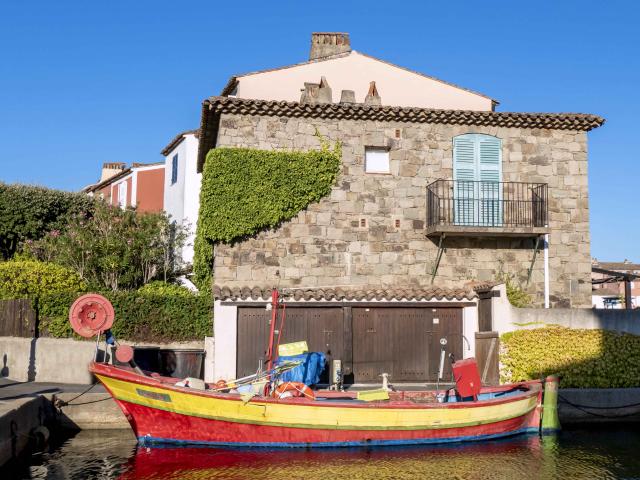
293	389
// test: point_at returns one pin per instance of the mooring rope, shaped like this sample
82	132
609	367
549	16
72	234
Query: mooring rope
62	403
584	408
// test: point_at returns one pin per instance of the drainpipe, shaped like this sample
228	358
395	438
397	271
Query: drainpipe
546	270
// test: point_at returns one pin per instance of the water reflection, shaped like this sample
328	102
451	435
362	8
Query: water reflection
581	454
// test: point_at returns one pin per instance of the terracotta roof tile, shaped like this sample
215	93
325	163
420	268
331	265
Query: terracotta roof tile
345	294
359	111
214	106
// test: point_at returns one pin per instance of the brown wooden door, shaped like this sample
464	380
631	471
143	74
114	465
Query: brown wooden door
252	337
403	342
322	328
447	323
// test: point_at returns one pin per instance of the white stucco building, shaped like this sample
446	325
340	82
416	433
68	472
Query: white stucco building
182	185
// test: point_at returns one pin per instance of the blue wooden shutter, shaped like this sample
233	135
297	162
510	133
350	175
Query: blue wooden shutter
477	171
490	176
464	174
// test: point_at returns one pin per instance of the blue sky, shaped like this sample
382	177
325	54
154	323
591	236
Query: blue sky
82	83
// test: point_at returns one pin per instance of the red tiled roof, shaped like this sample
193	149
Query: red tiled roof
214	106
346	294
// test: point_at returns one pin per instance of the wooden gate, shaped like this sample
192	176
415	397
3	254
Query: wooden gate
404	342
487	354
322	328
17	319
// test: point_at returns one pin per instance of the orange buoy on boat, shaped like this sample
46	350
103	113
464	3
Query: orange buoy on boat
294	389
220	385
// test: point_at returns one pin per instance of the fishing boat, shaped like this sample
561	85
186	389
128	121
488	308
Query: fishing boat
178	411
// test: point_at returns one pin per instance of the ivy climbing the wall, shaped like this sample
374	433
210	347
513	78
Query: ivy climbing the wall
245	191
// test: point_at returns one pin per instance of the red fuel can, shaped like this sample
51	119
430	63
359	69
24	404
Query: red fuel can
467	377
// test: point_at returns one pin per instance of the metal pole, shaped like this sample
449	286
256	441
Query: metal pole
274	318
546	270
627	293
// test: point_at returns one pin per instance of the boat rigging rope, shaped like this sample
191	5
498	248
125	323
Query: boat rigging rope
584	408
62	403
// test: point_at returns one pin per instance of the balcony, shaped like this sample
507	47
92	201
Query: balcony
492	209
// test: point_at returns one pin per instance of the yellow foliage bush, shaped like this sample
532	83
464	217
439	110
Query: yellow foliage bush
32	279
582	358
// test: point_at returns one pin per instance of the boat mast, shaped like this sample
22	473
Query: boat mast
274	317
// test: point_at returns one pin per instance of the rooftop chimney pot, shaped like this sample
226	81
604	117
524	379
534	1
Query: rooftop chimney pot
316	92
373	97
348	96
109	169
326	44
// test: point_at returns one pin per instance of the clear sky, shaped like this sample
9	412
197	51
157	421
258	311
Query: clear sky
82	83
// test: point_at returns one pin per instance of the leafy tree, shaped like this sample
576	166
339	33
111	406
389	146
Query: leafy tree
29	212
114	248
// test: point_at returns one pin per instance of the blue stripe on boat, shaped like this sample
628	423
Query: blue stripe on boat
148	441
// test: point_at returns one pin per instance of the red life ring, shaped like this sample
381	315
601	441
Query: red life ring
296	389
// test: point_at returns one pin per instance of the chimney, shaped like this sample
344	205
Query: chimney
111	169
372	98
316	92
348	96
325	44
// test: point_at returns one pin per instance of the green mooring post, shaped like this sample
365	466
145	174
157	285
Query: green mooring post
550	421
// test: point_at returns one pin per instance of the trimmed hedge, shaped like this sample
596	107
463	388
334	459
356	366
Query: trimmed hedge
146	316
157	312
582	358
28	213
245	191
32	279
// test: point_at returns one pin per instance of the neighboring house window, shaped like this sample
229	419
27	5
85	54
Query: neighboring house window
122	194
376	160
477	173
174	169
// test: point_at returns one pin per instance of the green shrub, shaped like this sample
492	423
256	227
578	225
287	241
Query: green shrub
582	358
515	293
163	288
33	279
245	191
155	314
114	248
29	212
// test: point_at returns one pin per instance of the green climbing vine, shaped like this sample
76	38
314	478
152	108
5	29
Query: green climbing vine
245	191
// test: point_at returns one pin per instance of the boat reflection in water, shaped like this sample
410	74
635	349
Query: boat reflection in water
519	457
593	454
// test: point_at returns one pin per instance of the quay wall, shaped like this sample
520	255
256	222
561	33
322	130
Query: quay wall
56	360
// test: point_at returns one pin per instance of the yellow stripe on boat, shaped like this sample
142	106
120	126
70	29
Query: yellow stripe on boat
315	416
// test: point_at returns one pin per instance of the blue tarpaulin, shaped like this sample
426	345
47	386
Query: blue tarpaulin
308	372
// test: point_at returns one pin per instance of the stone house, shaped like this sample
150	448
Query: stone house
438	192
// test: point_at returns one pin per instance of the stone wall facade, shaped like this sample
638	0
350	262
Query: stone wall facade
325	245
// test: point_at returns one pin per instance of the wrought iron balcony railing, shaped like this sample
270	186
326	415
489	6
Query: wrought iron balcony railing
484	206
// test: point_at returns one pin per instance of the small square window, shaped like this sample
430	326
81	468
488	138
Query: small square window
376	160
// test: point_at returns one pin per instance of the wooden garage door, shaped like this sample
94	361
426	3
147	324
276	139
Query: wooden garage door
403	342
322	329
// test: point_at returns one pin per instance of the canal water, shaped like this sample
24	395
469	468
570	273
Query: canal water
579	454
